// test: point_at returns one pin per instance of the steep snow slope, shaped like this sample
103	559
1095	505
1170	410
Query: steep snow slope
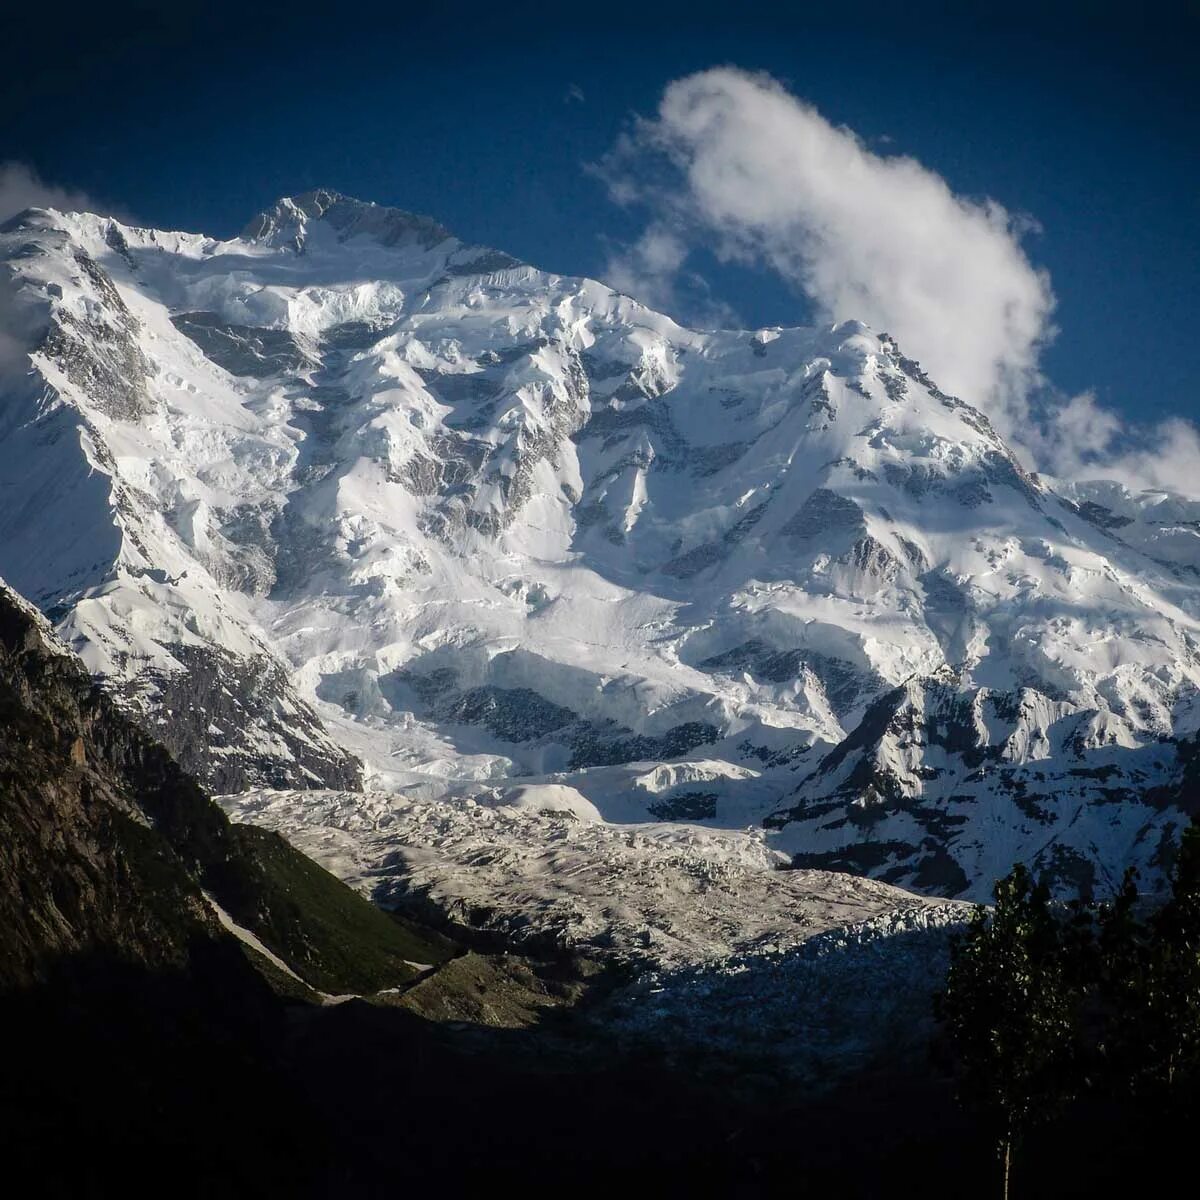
345	487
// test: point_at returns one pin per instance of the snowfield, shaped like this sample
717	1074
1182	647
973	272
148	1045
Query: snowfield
344	500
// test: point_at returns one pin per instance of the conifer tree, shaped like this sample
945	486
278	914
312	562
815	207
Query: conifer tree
1010	1008
1123	962
1155	974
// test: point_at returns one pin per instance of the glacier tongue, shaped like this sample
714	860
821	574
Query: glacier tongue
345	489
811	973
548	874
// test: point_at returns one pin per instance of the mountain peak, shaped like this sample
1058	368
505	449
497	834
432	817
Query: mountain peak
369	476
288	221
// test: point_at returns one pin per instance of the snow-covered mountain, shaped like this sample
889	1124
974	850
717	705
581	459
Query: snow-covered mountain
345	490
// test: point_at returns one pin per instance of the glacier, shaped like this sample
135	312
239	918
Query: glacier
344	502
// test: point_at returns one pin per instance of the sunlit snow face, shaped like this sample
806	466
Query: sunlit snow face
506	524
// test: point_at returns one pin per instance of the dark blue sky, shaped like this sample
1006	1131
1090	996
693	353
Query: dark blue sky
1084	117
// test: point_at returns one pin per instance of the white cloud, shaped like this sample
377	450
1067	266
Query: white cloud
1170	458
648	268
1073	434
734	158
21	188
735	163
1080	439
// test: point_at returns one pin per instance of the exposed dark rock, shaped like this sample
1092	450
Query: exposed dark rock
453	462
486	262
106	845
243	349
824	512
709	460
894	385
351	336
698	559
861	858
815	393
873	558
458	387
600	369
100	355
938	874
115	240
216	714
1098	515
520	715
685	806
613	424
846	685
709	553
514	714
609	744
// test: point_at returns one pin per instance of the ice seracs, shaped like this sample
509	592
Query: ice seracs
344	489
806	972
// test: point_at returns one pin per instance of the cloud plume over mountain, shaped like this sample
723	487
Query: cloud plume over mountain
734	157
734	162
21	187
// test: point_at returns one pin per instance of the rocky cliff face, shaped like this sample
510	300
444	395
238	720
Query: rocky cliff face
83	870
111	855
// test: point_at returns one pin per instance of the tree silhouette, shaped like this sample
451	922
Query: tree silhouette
1151	977
1011	1009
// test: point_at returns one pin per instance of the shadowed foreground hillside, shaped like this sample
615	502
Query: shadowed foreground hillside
145	1048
